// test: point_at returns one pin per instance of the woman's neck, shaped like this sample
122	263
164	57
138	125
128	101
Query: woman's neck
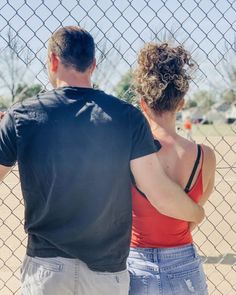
163	126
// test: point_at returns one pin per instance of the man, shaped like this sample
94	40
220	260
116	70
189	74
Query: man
75	147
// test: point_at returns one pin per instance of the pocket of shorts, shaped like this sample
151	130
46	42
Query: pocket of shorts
141	275
51	264
138	284
38	270
190	281
143	266
23	264
24	267
144	277
181	265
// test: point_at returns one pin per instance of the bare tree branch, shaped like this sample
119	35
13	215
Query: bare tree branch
13	70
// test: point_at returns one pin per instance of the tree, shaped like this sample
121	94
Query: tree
24	91
204	99
12	68
229	73
4	103
190	104
108	60
125	89
229	95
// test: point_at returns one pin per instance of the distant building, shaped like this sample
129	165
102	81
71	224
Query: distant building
222	112
214	116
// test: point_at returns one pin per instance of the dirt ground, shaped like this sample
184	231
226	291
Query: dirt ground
215	238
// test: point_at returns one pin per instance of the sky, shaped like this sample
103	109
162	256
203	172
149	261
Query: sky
121	27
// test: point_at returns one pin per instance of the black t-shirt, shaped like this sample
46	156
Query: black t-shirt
73	147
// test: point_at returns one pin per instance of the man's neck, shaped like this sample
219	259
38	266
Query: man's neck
73	84
73	78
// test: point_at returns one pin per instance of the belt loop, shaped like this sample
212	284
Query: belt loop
155	253
195	251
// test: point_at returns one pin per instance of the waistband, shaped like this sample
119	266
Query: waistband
158	254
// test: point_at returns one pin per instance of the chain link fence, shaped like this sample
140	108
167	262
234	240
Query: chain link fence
121	27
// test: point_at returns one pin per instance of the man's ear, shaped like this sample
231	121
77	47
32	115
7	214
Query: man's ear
93	66
53	61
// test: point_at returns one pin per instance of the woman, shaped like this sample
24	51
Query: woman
163	259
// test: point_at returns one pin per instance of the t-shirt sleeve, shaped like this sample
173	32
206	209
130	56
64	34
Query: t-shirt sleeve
142	139
8	146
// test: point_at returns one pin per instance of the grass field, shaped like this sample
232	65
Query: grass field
215	238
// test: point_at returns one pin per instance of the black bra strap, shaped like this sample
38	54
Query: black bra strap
187	188
141	193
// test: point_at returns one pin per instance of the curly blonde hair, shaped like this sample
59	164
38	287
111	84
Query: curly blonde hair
161	77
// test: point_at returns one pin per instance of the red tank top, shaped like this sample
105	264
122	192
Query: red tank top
150	229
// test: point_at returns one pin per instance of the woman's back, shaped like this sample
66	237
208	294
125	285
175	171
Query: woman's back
184	162
178	156
163	259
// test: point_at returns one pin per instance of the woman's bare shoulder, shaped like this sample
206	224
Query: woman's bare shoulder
209	166
209	155
187	145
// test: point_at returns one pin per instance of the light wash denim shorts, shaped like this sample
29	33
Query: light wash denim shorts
166	271
64	276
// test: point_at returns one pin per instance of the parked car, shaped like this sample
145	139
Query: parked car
231	114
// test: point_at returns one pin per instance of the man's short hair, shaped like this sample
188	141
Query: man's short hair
74	46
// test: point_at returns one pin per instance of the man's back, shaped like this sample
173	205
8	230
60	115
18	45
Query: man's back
74	146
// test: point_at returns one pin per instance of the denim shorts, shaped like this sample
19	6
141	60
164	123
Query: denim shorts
166	271
64	276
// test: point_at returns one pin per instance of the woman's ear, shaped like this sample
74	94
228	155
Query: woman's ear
180	105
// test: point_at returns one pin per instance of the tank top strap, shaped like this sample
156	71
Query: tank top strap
189	183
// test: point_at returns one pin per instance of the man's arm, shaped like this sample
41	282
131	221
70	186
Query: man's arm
8	146
3	171
166	196
2	115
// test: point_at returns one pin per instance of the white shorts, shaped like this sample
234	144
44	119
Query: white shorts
64	276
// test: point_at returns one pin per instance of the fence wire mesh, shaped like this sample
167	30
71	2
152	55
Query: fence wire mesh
120	28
